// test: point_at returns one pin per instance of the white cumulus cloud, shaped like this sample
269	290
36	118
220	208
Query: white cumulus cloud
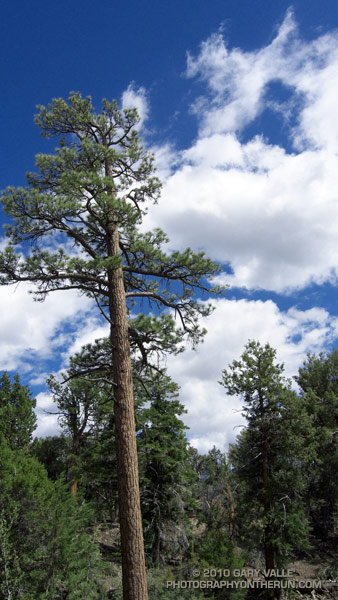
269	212
48	419
33	331
238	82
136	98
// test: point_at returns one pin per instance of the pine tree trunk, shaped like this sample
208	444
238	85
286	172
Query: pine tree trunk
74	488
155	551
74	484
232	509
269	550
132	548
268	545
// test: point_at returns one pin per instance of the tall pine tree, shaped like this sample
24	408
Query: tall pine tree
93	192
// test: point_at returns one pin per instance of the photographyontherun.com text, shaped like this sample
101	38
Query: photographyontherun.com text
248	578
248	583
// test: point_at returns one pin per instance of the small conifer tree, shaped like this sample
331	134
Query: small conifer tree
271	453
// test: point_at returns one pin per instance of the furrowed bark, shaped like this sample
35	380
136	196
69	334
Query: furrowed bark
132	548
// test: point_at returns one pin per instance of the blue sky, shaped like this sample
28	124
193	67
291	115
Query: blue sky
238	100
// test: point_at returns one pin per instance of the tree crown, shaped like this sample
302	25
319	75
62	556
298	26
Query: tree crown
99	180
